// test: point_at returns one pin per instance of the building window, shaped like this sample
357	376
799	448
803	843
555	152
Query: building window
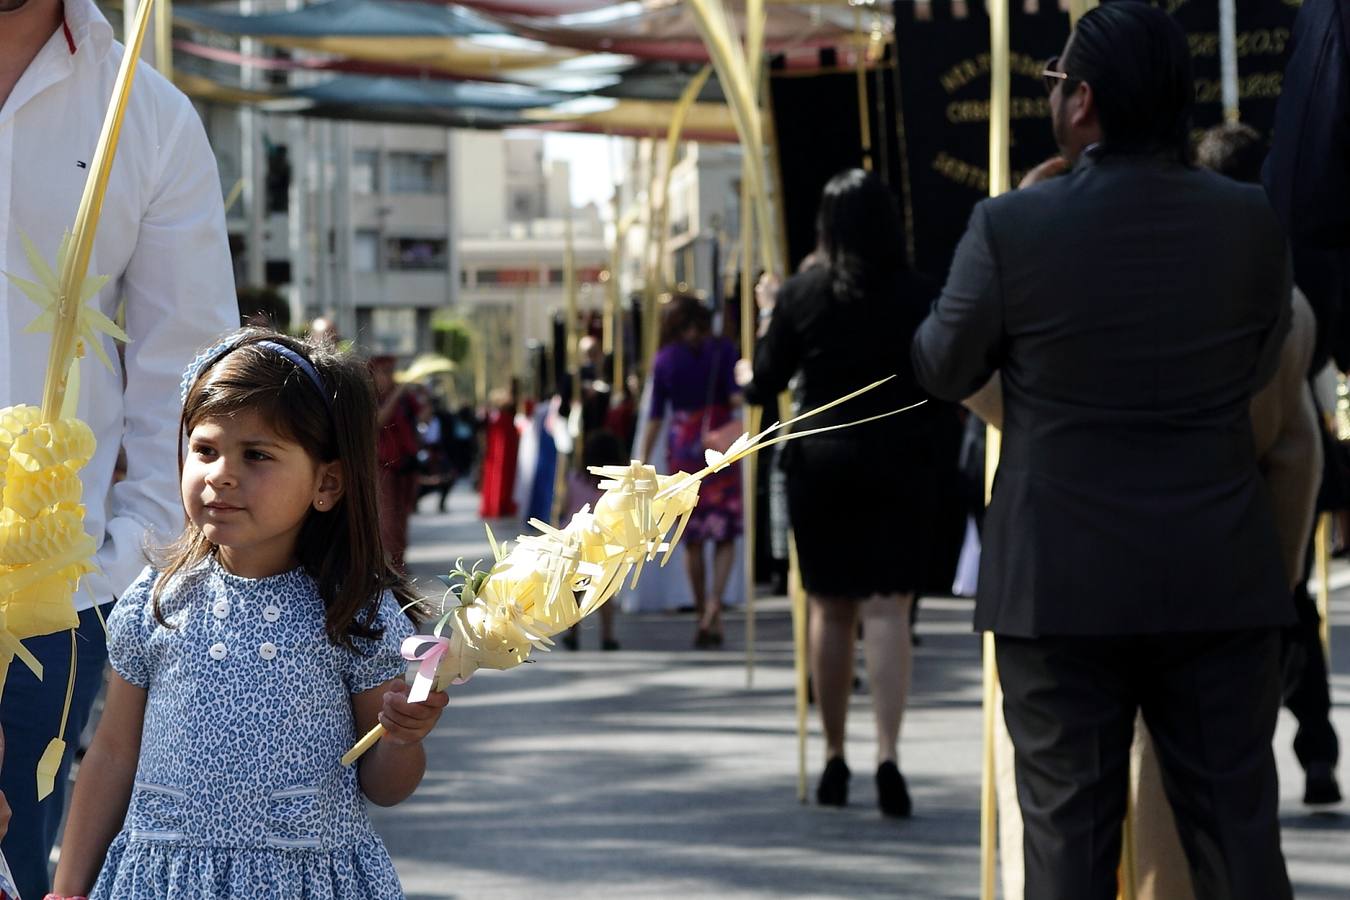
366	172
523	205
415	254
366	251
417	173
393	331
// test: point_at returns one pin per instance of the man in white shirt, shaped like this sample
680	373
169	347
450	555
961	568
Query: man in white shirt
162	240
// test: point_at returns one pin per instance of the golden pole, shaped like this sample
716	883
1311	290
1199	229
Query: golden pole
611	283
755	21
749	469
1322	559
662	210
650	327
570	365
1000	141
733	72
1126	877
797	597
864	113
164	38
1077	8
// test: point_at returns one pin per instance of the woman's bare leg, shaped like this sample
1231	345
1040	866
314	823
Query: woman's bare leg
890	662
833	632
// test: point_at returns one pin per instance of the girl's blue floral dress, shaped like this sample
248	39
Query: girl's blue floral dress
239	792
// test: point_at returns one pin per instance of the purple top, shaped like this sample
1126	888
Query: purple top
684	377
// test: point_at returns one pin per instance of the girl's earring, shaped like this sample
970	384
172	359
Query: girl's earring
320	503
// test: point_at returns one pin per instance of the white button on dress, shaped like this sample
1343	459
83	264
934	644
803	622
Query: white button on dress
221	609
217	652
272	613
268	650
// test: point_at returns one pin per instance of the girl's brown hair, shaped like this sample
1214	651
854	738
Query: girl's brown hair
340	549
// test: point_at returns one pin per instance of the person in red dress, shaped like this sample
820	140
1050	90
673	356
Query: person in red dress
499	457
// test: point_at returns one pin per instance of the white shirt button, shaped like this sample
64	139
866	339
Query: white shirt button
272	613
217	652
267	650
221	609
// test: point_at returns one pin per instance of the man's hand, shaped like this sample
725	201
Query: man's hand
1055	165
408	723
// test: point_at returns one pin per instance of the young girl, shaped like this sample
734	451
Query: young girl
251	658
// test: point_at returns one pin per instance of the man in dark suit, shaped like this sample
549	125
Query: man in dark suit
1134	306
1308	171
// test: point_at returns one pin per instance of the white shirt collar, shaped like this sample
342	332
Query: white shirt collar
86	25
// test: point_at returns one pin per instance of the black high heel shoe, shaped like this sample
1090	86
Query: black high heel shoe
892	793
833	787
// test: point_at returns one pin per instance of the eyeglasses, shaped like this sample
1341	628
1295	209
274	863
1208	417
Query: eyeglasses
1052	75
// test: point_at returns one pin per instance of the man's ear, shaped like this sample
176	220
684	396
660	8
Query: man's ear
330	487
1084	106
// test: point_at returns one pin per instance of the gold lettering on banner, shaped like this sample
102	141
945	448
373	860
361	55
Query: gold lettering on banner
967	70
1257	42
1258	86
966	174
963	173
965	111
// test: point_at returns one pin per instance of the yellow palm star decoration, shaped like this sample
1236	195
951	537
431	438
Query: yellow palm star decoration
46	291
44	550
546	583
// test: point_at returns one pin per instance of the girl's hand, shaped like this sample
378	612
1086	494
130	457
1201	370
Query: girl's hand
408	723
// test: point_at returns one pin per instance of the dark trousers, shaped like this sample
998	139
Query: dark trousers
1306	693
31	714
1209	701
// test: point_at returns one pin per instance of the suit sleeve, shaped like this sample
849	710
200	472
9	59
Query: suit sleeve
778	355
179	289
1307	173
959	346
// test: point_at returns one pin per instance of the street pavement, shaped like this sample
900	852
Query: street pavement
658	771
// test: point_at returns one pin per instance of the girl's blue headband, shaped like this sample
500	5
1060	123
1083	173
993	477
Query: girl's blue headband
209	358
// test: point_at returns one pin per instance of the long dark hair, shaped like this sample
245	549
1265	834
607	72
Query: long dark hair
340	548
858	233
1138	62
680	312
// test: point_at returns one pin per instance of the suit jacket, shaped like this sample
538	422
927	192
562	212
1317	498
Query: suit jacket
1307	173
1285	429
1134	307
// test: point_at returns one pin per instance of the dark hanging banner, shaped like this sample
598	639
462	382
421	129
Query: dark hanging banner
944	87
1263	30
818	124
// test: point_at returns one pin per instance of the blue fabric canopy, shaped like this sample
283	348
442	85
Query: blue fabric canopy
356	90
347	18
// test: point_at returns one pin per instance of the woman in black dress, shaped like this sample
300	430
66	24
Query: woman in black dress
857	497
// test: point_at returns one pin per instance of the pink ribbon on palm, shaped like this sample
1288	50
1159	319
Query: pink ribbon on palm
427	650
